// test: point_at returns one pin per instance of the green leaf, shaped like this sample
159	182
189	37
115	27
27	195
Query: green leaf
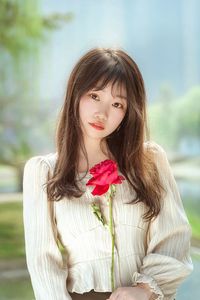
97	211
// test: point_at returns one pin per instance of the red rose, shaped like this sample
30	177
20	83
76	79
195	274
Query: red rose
104	174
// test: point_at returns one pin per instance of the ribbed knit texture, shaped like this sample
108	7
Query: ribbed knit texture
155	252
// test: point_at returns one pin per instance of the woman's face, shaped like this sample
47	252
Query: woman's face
101	111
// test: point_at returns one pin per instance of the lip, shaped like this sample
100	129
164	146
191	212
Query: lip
97	126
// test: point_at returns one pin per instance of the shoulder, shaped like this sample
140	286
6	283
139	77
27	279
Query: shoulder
47	161
153	147
156	150
157	154
159	157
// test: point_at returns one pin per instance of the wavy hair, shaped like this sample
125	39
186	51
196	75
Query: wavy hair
99	67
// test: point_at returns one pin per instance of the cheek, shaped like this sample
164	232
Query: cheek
85	107
119	116
84	110
116	119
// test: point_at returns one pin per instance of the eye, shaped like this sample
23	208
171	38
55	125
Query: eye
94	96
118	105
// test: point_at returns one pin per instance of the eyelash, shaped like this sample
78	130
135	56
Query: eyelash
92	94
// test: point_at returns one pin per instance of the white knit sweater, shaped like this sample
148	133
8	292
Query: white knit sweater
155	252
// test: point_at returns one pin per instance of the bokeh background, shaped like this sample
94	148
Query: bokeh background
40	41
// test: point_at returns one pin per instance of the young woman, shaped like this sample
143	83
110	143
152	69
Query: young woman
104	117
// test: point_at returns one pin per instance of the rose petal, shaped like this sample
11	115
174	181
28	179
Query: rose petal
100	190
103	175
104	178
103	167
118	180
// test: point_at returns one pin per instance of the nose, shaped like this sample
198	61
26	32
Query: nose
100	115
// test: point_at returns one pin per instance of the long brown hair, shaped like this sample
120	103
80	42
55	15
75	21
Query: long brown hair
98	67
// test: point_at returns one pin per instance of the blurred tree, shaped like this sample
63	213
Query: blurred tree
22	25
187	114
174	120
160	116
23	30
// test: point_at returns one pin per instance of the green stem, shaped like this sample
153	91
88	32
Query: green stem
112	232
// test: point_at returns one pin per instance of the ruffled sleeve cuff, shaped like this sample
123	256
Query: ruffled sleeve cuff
142	278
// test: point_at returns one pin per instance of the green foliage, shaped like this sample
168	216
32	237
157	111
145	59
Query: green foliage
19	21
21	24
98	213
16	289
172	120
8	179
11	231
194	220
187	114
23	29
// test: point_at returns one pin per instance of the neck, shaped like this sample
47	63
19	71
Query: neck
95	153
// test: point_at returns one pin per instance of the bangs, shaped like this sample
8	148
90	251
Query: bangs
105	74
113	76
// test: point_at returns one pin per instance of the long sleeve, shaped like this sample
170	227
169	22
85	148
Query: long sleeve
167	261
44	259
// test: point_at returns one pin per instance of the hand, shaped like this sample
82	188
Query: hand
139	292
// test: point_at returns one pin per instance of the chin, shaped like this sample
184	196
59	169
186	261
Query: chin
97	136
